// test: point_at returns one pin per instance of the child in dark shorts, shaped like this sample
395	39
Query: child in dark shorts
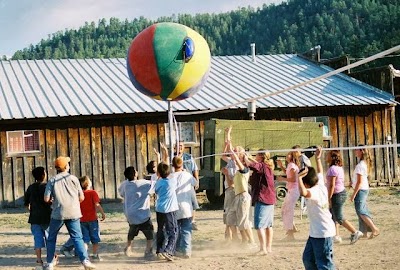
136	194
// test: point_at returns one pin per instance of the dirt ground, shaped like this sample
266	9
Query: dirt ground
209	249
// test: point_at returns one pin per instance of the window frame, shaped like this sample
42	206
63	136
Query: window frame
23	135
180	125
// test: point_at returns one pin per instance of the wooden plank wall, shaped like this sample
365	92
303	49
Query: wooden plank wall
103	153
368	130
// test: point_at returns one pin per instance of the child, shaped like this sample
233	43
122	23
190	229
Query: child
166	207
39	212
137	209
89	223
318	253
185	183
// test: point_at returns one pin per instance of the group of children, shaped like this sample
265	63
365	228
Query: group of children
40	218
174	209
174	186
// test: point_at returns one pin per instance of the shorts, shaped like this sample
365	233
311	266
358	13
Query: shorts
40	233
146	227
243	204
338	200
90	232
228	202
263	215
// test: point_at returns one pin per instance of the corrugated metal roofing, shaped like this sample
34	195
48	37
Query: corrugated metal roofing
69	87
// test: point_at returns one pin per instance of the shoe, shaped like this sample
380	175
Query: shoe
355	236
48	266
96	257
88	265
148	255
337	239
194	227
168	257
373	235
183	255
160	256
67	253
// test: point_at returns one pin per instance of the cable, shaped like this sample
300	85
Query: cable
327	75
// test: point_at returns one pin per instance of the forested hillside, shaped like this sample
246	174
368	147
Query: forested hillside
355	27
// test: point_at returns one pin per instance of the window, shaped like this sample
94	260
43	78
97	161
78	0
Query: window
322	119
186	132
24	141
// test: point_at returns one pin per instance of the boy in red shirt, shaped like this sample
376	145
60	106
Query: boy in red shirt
89	223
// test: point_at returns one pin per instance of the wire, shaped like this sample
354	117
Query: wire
327	75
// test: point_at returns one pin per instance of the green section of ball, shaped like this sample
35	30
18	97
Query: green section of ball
167	44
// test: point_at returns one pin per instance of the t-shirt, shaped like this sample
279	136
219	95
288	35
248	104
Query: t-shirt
188	163
231	167
361	169
65	190
292	185
321	222
165	190
40	211
136	200
88	205
338	172
185	183
241	180
262	184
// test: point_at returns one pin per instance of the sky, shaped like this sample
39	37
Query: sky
25	22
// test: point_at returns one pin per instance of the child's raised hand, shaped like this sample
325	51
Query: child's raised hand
303	172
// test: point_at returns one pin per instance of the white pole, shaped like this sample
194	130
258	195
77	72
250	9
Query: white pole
170	123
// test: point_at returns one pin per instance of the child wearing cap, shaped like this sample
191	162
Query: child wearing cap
39	212
66	193
89	222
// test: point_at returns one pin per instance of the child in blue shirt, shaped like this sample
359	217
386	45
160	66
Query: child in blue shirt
166	207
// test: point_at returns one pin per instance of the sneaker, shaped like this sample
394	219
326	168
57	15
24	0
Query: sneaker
168	257
194	227
96	257
355	236
183	255
160	256
48	266
337	239
67	253
148	255
88	265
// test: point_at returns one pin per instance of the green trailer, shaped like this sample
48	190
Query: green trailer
251	135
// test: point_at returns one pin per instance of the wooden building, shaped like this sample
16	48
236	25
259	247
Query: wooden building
88	110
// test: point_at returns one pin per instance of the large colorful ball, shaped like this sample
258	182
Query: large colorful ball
168	61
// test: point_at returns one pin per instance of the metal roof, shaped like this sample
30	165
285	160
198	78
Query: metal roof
70	87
